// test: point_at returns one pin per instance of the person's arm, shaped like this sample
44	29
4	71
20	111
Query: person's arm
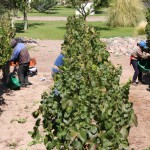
141	55
16	51
14	55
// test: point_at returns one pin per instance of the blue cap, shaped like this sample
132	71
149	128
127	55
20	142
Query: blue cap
143	44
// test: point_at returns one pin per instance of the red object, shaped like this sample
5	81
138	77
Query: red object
32	62
131	57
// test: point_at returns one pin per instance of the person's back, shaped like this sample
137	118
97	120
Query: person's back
58	62
138	54
23	56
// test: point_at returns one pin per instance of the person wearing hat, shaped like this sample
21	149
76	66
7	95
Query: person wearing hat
22	57
136	56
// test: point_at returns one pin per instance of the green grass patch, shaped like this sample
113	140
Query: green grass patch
59	11
50	30
107	32
55	30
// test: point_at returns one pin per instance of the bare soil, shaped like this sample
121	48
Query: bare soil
14	135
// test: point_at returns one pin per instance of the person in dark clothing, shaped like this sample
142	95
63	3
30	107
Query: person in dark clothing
22	57
136	56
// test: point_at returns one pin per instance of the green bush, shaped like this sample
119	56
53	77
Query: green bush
125	13
6	33
147	30
92	110
140	29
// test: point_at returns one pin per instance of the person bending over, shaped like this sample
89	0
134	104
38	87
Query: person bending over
21	55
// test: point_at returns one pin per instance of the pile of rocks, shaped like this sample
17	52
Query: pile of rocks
119	46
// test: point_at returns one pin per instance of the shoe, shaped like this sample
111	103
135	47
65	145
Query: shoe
134	83
141	82
148	89
24	86
28	83
9	93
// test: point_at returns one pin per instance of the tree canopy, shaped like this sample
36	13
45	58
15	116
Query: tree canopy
43	5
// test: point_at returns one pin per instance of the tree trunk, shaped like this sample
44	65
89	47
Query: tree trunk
12	19
25	20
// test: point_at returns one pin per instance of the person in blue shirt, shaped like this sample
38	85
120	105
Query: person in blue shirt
58	62
22	57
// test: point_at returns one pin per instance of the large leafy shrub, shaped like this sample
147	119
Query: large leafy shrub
147	30
125	13
6	33
92	110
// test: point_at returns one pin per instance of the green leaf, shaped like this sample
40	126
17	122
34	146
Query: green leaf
93	130
77	144
35	114
61	134
124	132
82	135
133	119
107	143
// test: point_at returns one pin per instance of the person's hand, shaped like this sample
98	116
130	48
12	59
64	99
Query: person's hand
148	56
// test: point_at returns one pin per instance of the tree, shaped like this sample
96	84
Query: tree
2	7
80	5
12	5
6	33
43	5
92	110
101	3
23	6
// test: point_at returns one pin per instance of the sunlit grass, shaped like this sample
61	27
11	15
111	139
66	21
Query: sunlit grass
140	29
55	30
59	11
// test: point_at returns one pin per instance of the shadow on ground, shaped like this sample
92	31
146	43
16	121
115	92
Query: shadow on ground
3	89
146	78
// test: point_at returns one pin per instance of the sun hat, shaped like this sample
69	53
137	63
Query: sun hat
143	44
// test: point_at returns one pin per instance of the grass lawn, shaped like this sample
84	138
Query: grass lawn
55	30
59	11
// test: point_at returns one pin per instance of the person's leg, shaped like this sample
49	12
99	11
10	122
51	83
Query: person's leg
26	68
21	74
140	76
6	71
136	70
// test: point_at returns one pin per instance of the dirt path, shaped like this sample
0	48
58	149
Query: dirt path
50	18
19	107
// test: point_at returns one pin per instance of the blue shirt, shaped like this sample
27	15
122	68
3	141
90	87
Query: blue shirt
58	62
17	50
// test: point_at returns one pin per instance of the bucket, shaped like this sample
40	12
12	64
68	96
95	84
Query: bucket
144	65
